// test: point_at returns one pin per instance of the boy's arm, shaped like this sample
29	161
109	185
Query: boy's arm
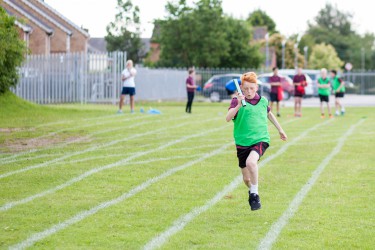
274	121
232	112
275	83
341	85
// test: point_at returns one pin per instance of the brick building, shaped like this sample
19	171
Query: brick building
44	29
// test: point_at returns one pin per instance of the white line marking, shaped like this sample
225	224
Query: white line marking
57	132
181	222
86	174
48	163
82	215
277	227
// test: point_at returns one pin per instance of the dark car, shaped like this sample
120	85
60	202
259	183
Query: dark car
215	89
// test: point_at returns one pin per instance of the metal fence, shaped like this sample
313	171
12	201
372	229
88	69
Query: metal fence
96	78
75	77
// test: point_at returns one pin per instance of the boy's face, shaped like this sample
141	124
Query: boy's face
332	74
249	89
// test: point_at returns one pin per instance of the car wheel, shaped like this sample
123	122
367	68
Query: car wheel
286	95
215	97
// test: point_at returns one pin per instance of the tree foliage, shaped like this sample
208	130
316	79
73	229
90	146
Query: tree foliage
123	34
324	56
203	36
276	43
334	27
260	18
12	51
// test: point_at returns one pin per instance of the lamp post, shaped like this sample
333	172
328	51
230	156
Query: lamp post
305	49
283	42
363	71
296	55
267	50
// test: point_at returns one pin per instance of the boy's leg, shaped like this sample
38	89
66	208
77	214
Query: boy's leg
278	107
252	166
337	105
271	106
295	105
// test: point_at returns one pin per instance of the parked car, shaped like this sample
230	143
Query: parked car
309	89
314	75
214	88
286	84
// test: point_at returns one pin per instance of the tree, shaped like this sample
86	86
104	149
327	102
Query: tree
334	27
324	56
124	33
12	51
260	18
203	36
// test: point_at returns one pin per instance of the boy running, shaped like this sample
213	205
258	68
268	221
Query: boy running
251	132
324	90
338	86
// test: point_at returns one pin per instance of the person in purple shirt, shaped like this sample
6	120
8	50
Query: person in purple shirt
275	82
190	88
299	82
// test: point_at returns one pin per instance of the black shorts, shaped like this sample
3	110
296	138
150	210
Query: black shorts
340	94
128	91
274	97
324	98
243	152
298	94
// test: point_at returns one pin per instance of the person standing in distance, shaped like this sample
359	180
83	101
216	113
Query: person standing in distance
299	82
338	86
275	81
324	90
190	88
127	77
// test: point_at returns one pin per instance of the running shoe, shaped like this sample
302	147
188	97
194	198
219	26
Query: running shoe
254	201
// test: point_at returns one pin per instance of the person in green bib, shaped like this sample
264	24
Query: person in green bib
338	86
324	90
251	132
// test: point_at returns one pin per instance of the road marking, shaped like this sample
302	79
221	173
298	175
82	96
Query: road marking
82	215
86	174
181	222
277	227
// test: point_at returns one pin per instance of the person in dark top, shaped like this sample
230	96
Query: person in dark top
275	81
299	82
190	88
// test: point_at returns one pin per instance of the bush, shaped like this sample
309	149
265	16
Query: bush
12	50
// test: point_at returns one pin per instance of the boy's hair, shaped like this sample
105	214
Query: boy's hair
323	70
249	77
334	71
274	68
191	71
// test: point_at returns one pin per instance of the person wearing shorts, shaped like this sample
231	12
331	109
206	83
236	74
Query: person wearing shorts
338	86
275	81
250	132
299	82
127	77
190	89
324	90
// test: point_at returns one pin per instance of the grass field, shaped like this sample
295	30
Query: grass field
82	177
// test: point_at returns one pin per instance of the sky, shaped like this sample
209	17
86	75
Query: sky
291	16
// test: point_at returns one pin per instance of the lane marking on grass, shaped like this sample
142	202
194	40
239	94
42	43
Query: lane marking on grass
122	162
96	147
181	222
62	144
82	215
277	227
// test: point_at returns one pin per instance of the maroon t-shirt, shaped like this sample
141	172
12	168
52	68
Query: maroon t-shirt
275	78
253	101
190	82
297	79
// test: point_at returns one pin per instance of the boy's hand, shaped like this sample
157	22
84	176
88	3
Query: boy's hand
283	136
240	97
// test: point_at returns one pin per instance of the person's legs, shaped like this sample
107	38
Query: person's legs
121	103
337	105
271	106
278	108
321	109
295	105
252	166
189	102
132	103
